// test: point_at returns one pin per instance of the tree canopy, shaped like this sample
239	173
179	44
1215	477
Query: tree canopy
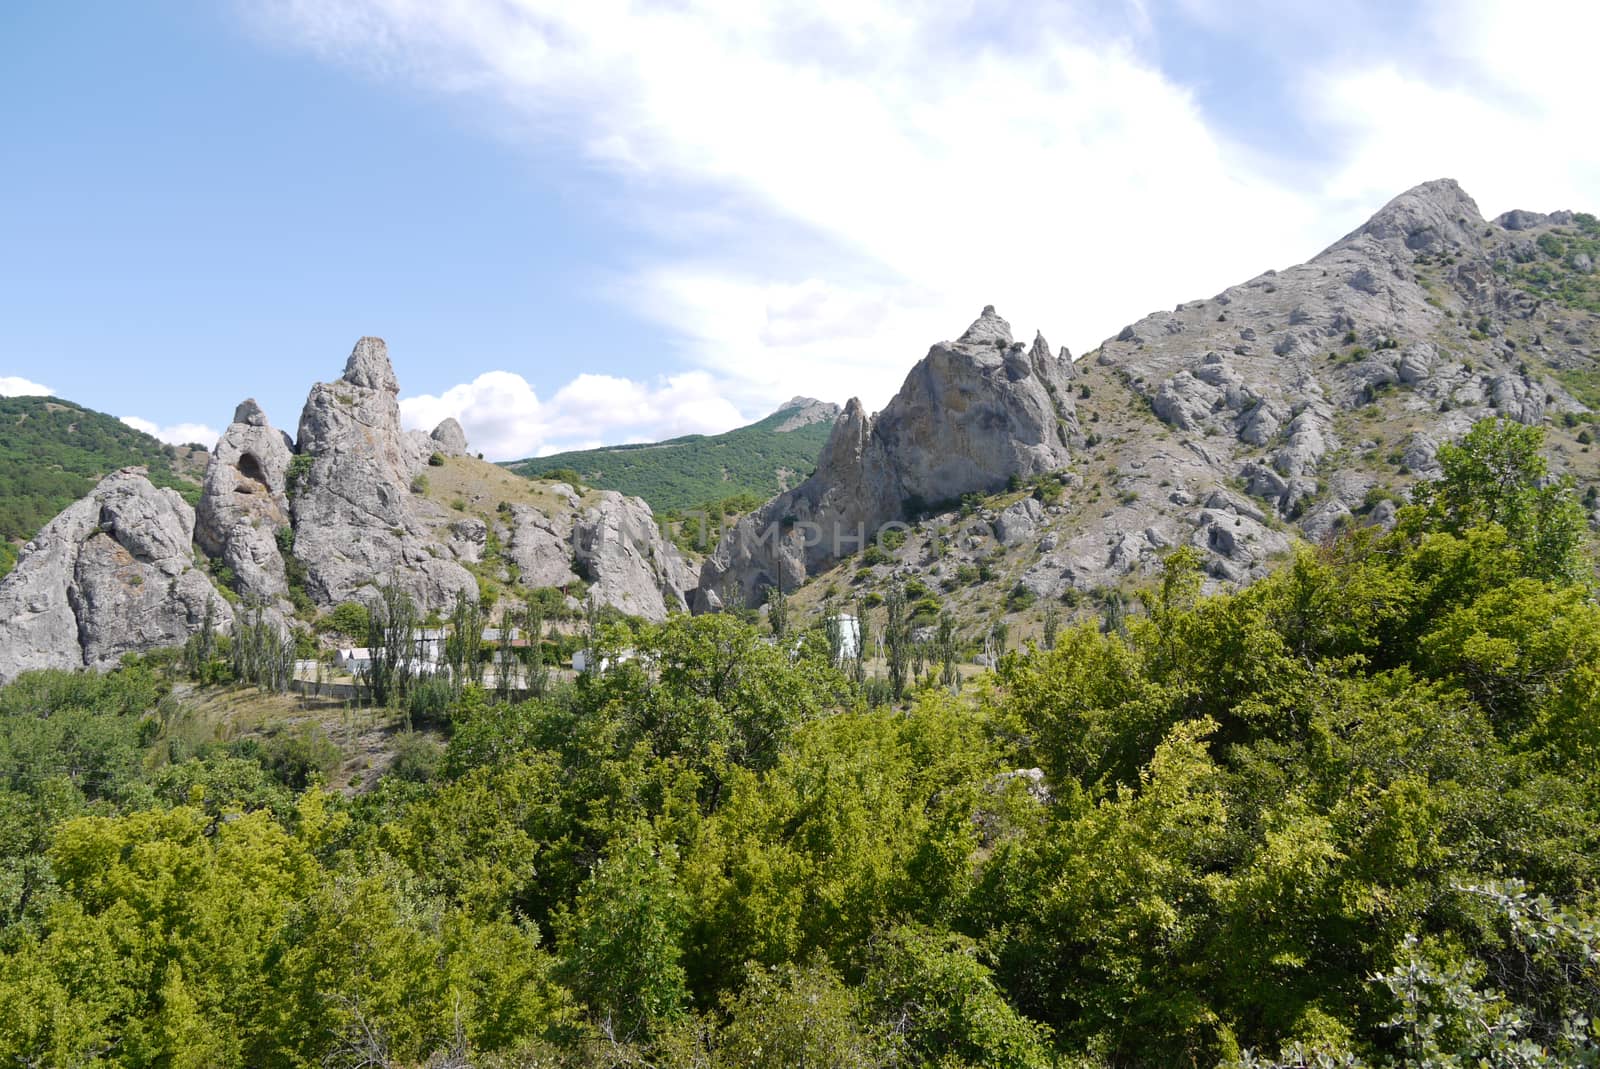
1347	816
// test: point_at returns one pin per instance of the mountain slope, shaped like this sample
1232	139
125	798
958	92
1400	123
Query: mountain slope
52	452
760	460
1287	407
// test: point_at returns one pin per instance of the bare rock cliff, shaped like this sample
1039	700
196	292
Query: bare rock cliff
114	573
354	520
972	414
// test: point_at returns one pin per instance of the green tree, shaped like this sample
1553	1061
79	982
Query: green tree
1497	475
621	944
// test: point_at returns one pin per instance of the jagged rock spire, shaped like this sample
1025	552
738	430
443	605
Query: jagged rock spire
369	366
987	329
250	413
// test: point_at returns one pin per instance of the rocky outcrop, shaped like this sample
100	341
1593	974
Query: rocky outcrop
1293	406
804	411
114	573
971	415
1261	384
342	510
244	503
629	566
449	438
540	545
355	523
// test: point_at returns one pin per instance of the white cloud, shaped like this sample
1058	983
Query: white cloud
506	420
175	433
16	386
846	181
1510	122
862	176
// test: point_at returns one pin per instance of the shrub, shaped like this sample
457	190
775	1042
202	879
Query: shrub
416	757
1020	598
350	618
299	469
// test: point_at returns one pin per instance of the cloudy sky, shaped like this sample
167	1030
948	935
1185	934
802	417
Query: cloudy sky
604	221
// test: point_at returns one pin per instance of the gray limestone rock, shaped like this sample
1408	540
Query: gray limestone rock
629	566
1416	362
1420	456
244	503
355	522
369	367
114	573
449	438
970	415
1018	521
541	547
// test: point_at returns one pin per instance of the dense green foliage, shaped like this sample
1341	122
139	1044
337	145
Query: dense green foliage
52	453
684	473
1348	816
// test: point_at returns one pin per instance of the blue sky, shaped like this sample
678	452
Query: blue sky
617	221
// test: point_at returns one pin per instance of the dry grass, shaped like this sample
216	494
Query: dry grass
365	738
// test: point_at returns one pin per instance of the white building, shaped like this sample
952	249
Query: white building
580	661
355	661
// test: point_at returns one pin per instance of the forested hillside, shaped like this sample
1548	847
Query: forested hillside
1349	815
52	452
683	473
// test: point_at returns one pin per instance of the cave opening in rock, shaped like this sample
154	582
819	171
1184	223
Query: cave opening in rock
250	468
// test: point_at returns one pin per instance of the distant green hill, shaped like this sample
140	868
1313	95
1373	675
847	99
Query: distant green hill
759	460
52	452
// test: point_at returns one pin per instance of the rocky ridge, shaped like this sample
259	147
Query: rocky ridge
1283	408
803	412
114	573
300	525
972	414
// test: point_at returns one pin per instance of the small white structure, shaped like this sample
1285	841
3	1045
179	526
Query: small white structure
430	645
580	661
355	661
849	631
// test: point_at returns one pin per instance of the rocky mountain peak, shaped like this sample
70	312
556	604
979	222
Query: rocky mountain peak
987	329
250	413
1426	218
804	411
967	419
1041	348
369	366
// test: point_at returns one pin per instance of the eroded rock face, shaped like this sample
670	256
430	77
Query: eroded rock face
244	503
112	574
1259	385
804	411
972	413
355	524
450	439
614	544
629	566
540	546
